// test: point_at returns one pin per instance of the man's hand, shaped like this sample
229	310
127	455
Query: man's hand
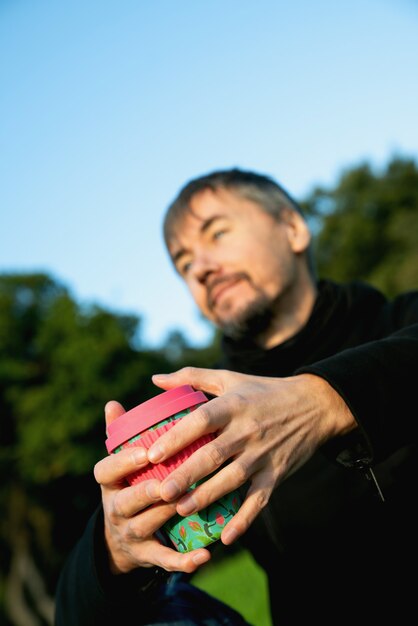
132	514
266	429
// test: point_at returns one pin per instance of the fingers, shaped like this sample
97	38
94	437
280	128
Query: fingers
133	536
201	379
116	467
143	526
113	410
188	562
231	477
171	560
207	418
127	502
203	463
151	552
186	430
256	499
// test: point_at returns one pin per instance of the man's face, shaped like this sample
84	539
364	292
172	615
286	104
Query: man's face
237	260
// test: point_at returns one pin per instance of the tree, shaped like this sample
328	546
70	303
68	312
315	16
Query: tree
179	353
367	226
59	363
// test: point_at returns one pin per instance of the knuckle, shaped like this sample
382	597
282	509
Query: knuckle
239	471
173	438
257	429
261	500
238	402
214	453
242	524
138	492
116	510
137	531
188	371
134	456
182	477
188	566
201	415
176	564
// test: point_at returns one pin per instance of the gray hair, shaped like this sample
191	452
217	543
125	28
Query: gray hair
259	188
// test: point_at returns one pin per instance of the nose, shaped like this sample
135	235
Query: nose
204	266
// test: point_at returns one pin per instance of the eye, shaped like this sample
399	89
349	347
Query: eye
218	234
185	268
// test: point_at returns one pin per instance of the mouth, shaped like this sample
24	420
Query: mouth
220	287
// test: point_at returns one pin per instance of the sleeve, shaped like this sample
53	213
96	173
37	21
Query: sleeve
87	594
377	381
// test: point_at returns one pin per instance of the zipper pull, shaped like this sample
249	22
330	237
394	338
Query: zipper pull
360	462
370	475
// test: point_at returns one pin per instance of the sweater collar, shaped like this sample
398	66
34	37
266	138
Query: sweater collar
326	326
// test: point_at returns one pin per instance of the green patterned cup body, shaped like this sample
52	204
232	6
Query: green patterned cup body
142	426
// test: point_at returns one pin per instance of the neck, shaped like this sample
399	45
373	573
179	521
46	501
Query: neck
291	313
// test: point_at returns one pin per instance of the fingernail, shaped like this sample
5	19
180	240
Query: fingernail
187	506
171	489
229	535
140	455
155	453
199	558
161	376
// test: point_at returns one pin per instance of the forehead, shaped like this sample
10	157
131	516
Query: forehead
206	208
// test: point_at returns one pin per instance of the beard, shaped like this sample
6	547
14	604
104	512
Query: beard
251	321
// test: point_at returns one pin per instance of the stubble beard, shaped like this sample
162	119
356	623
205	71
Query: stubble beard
251	322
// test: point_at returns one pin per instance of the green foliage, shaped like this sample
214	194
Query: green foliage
239	581
367	226
60	362
180	354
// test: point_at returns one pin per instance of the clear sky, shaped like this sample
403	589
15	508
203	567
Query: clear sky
107	107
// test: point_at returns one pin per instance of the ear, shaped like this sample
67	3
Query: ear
298	233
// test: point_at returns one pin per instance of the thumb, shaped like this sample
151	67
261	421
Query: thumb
113	410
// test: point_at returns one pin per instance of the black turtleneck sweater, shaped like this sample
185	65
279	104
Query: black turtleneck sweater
333	551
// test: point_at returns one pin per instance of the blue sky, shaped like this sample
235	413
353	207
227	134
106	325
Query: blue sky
108	107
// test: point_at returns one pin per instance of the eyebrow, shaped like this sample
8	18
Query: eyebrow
206	224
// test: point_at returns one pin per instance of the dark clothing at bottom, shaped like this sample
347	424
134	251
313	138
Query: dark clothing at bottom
332	550
179	603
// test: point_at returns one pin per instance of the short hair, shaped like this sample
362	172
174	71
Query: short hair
259	188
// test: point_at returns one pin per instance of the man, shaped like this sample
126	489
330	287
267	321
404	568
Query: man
313	408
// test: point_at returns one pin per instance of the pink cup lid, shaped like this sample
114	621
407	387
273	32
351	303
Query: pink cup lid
151	412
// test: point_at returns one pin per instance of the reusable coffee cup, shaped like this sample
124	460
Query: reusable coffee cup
141	426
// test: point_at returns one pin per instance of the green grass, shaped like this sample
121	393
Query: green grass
238	581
